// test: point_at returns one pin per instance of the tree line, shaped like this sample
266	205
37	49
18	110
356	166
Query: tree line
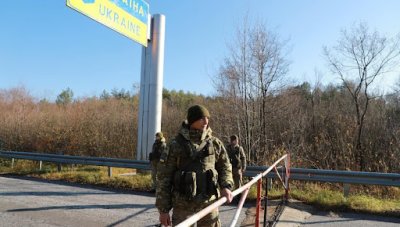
345	126
315	125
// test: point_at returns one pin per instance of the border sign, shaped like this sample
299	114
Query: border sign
128	17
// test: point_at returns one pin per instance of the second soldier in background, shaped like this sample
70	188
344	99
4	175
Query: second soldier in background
238	160
159	148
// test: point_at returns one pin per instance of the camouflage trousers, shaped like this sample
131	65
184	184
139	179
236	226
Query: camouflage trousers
237	177
154	165
184	209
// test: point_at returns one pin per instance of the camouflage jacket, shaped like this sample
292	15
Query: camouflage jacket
158	148
237	156
189	158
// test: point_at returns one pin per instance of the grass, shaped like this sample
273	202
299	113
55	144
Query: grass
82	174
273	193
99	177
367	204
374	200
327	198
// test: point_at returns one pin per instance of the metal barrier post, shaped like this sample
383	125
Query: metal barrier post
239	208
266	202
259	182
346	190
269	183
287	175
59	167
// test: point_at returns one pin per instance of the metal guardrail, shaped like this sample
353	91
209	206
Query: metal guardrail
334	176
68	159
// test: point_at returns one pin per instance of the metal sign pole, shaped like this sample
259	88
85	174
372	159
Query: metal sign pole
151	86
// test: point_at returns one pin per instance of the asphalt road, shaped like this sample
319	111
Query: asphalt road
32	202
298	214
328	219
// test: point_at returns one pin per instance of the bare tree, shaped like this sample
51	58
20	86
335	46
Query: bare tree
359	57
246	77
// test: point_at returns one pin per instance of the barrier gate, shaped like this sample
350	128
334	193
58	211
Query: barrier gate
245	189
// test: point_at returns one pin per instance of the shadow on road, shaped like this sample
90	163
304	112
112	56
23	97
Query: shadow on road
80	207
128	217
64	183
45	193
349	217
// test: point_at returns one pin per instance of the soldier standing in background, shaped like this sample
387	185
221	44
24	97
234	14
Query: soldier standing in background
195	174
238	160
159	148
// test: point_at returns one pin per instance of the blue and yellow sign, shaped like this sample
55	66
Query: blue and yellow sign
128	17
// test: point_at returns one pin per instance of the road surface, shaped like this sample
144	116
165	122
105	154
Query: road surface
328	219
33	202
299	214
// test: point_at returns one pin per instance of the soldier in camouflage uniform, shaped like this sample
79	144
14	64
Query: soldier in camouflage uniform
195	174
159	148
237	159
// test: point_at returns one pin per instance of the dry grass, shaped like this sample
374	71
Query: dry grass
92	175
330	198
90	127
